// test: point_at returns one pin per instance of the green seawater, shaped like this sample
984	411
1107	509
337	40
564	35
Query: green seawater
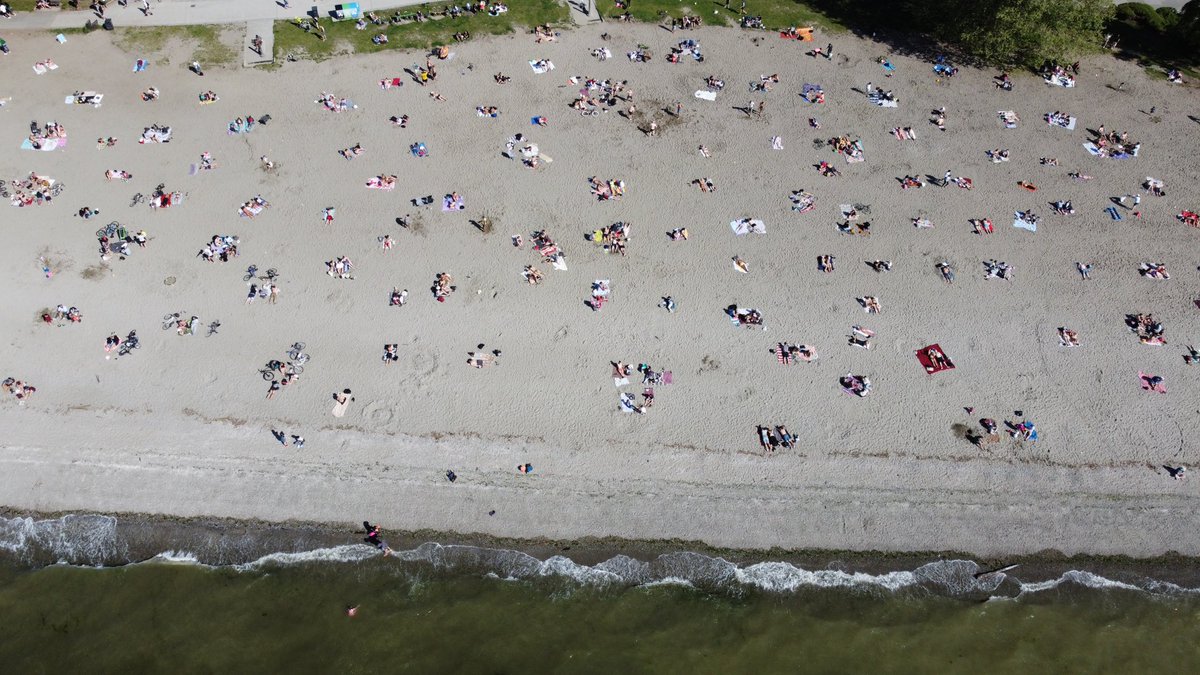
181	618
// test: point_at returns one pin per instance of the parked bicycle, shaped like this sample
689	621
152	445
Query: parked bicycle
113	229
276	367
171	321
297	355
138	198
212	328
131	343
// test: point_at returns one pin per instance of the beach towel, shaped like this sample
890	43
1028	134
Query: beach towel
706	95
668	377
932	367
339	409
1070	125
449	204
781	354
1023	224
776	142
39	69
747	226
48	144
541	69
60	38
1114	213
627	402
620	381
1144	379
1060	80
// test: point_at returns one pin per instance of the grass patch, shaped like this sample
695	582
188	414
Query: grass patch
776	14
209	49
342	37
24	5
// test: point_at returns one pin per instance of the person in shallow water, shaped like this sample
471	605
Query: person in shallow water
373	537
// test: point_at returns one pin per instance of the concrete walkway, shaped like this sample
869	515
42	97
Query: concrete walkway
264	28
185	12
584	12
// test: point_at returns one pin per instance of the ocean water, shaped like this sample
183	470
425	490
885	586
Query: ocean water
439	608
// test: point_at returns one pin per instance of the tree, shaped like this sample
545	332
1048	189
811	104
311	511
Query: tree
1031	32
1187	30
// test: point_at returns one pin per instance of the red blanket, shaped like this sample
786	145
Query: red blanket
934	359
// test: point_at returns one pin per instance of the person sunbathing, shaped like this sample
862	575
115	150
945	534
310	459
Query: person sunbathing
678	234
532	275
705	184
150	94
881	265
124	176
1068	337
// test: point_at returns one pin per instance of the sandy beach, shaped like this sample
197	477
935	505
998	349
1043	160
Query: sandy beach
182	426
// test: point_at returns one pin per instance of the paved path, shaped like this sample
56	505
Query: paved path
185	12
584	12
264	28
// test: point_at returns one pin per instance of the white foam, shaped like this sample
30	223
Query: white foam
182	557
1084	579
336	554
90	539
562	566
785	577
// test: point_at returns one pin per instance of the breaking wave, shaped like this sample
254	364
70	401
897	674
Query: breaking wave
97	540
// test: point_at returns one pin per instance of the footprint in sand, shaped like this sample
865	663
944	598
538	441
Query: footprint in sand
380	414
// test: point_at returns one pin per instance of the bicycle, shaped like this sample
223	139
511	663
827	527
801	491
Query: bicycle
212	328
171	321
56	189
251	272
270	275
113	229
296	353
138	198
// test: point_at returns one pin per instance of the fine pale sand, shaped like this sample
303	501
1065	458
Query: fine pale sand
182	427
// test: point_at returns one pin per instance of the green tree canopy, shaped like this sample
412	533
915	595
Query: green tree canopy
1030	32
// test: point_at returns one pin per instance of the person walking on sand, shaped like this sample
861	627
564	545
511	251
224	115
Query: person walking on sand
280	436
1085	270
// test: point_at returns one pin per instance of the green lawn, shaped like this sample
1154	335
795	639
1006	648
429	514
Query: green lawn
208	47
342	37
776	14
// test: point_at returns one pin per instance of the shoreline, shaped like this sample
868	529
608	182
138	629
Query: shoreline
785	502
251	544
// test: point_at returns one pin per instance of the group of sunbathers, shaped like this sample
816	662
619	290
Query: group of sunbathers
607	189
997	269
771	439
443	286
340	268
252	207
221	248
34	190
1149	330
1153	270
